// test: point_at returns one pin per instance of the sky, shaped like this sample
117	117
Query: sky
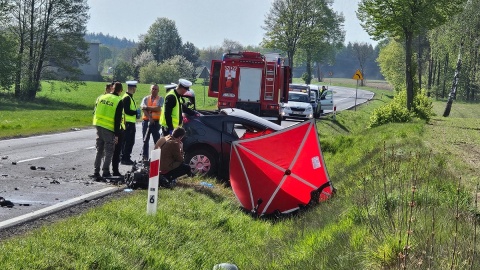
204	23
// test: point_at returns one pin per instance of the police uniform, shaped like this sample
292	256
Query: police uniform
107	120
171	86
131	114
172	107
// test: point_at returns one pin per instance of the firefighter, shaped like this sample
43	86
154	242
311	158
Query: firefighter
152	108
132	113
107	120
171	116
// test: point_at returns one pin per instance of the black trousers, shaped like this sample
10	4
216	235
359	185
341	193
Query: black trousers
129	141
179	171
117	151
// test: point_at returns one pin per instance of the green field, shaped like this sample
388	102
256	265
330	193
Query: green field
406	198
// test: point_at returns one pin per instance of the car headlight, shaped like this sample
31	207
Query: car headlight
308	109
286	107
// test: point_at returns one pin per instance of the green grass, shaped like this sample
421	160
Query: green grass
406	198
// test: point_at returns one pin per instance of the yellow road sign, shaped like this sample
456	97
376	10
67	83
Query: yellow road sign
358	75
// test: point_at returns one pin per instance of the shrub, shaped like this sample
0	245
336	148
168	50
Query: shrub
396	111
150	73
123	72
423	106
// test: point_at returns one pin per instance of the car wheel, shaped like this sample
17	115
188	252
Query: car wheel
201	162
284	118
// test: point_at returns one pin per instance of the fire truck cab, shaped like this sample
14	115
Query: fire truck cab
250	81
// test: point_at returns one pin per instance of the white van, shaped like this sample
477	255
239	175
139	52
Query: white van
325	97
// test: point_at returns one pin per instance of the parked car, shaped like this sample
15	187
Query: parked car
209	135
325	98
298	106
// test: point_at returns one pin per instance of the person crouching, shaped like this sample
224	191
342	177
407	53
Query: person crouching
171	156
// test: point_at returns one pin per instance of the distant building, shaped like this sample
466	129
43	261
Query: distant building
90	69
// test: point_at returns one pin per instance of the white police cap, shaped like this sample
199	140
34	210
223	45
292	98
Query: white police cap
132	83
170	86
185	83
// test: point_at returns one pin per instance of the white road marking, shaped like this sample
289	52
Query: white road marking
56	207
30	159
69	152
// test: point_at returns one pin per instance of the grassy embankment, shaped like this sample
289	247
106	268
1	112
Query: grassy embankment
406	197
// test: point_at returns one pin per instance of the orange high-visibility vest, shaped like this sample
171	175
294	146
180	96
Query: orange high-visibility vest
150	103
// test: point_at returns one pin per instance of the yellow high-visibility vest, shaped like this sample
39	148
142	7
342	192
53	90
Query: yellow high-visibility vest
105	112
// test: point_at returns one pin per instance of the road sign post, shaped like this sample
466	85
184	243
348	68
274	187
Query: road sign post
357	76
153	182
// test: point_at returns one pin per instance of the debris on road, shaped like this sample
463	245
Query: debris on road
5	203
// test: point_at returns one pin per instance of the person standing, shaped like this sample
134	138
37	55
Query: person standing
131	115
152	108
171	117
107	120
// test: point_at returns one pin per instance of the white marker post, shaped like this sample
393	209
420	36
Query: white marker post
153	182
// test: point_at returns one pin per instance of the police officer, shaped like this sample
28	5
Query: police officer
172	107
152	108
131	114
107	120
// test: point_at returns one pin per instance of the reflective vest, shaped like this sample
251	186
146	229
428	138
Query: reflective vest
133	107
175	111
153	103
105	111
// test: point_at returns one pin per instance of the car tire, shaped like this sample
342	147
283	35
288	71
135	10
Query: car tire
201	162
284	118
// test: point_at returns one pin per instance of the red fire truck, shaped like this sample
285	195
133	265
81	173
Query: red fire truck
250	81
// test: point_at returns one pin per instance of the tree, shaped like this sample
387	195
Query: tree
50	38
309	25
162	39
392	69
150	73
123	71
285	23
231	46
403	20
185	68
7	63
209	54
191	52
167	73
143	59
322	37
363	52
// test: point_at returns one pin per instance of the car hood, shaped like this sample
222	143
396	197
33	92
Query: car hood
296	104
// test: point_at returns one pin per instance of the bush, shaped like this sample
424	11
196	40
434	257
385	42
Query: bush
396	111
184	67
423	106
150	73
123	72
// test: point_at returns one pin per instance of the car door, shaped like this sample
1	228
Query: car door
228	136
327	100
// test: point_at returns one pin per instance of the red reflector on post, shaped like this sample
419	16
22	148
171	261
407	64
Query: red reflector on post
154	168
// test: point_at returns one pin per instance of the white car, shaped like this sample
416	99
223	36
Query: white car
298	106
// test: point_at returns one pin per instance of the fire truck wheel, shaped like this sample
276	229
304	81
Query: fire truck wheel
201	162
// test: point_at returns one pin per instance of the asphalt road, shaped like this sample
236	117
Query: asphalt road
44	174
